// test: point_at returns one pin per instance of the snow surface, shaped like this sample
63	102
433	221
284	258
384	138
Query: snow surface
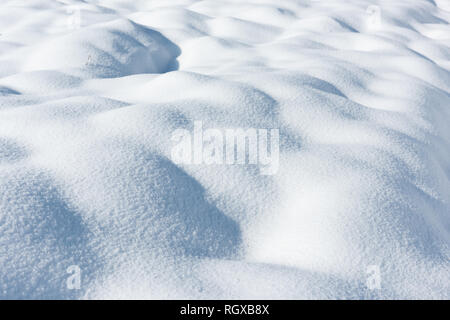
90	92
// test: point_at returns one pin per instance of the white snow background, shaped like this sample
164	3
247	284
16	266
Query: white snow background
91	91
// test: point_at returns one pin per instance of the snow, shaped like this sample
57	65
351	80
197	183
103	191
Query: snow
91	92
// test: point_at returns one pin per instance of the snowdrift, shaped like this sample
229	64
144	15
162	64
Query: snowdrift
91	91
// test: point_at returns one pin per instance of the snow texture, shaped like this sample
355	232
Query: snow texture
91	91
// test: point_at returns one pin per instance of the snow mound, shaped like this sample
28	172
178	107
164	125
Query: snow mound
91	92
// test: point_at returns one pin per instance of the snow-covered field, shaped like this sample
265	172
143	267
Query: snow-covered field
93	205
